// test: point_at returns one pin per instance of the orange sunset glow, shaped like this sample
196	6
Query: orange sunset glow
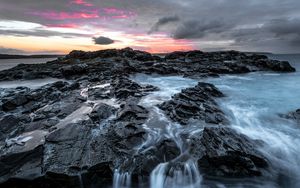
153	44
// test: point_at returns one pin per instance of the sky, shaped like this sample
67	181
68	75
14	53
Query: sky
59	26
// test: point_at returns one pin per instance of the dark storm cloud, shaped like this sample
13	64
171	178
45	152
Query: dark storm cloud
279	34
282	27
163	21
286	29
194	29
103	40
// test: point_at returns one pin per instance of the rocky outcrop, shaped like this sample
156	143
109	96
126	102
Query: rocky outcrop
195	103
127	61
51	135
222	152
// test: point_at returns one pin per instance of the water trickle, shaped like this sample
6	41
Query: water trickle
121	179
177	175
80	180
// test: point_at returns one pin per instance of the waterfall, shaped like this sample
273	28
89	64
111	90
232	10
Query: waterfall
178	175
121	179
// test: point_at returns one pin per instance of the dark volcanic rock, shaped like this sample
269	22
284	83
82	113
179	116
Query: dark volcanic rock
114	62
9	124
144	161
66	134
77	69
126	129
31	71
274	65
65	149
101	111
22	156
96	93
176	55
11	99
222	152
131	112
123	88
110	53
195	103
69	155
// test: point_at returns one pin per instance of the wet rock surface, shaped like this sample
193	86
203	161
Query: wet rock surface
124	88
222	152
196	103
77	132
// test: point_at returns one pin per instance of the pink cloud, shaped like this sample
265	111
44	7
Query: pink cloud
113	10
117	13
54	15
121	16
86	13
70	25
82	2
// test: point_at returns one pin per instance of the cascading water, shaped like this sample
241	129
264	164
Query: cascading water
181	171
121	179
181	175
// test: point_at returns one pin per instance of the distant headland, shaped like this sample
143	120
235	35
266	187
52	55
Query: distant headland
13	56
